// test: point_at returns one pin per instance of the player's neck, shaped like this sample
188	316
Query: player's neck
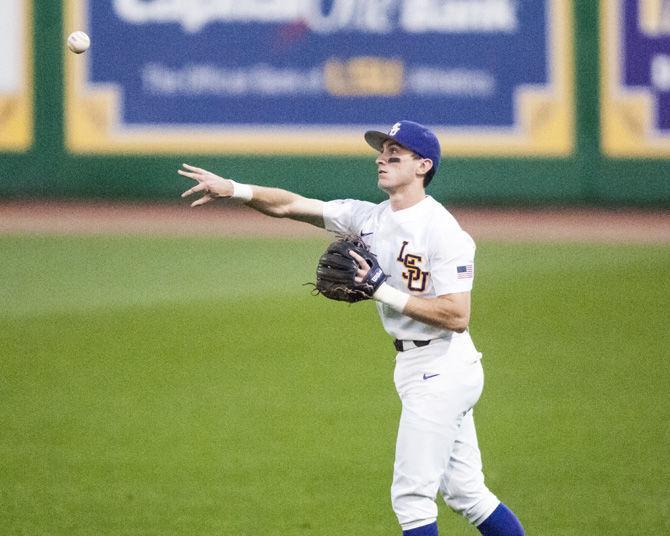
402	199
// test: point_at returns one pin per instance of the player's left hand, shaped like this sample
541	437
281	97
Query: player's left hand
363	267
348	271
211	185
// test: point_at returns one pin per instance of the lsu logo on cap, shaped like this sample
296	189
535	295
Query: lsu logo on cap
394	129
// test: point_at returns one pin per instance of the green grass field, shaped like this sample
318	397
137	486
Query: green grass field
155	386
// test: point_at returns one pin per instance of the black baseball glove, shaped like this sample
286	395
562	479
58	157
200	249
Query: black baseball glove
336	271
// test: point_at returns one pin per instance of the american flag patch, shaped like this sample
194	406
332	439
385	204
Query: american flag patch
464	272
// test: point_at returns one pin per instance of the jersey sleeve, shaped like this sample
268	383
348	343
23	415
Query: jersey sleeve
452	264
346	216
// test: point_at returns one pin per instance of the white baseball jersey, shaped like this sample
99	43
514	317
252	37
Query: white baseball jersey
422	250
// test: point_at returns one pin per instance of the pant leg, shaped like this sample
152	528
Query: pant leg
433	410
425	438
463	486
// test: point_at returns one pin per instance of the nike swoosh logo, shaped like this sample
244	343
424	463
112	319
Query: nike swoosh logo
429	376
366	234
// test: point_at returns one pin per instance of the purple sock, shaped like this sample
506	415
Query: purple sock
426	530
502	522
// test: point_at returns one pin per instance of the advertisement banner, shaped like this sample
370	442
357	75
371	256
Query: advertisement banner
635	78
492	77
16	121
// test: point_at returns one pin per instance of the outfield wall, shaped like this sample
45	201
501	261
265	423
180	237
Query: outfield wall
593	129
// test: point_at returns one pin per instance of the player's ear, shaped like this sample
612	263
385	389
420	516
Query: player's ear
425	166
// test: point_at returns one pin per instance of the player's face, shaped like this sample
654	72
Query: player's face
397	167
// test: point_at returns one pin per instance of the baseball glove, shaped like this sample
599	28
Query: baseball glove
336	271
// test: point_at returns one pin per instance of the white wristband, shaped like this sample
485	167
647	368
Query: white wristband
242	191
392	297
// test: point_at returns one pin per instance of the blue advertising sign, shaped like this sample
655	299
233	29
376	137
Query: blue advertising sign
308	76
636	77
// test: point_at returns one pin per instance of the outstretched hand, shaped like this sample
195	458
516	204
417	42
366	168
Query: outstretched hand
212	186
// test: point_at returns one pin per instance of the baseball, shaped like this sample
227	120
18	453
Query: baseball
78	42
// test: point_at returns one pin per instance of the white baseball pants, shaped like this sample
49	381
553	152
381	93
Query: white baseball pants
437	447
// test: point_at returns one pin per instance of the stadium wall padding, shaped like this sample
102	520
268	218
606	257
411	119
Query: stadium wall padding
49	171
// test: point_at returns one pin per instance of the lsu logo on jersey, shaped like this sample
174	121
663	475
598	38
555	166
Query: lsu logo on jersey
416	277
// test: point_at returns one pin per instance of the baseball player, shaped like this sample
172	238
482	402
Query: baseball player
424	304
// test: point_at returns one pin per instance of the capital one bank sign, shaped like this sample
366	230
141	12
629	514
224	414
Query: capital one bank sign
225	75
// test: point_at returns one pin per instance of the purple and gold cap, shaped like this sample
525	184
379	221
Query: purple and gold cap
414	137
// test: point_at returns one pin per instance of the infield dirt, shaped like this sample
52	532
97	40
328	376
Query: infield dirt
226	218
